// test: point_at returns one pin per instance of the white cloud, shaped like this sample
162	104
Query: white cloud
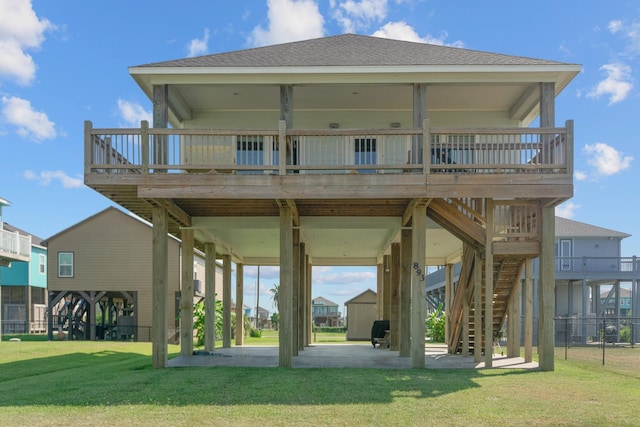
606	160
403	31
615	26
199	46
343	277
357	15
133	113
630	32
20	30
580	176
289	20
616	85
567	210
45	178
30	123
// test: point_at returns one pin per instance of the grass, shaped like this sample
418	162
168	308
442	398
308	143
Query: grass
102	383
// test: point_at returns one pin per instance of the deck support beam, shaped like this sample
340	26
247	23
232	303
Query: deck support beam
160	273
418	276
186	296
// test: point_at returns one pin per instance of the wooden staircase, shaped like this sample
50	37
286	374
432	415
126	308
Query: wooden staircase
468	224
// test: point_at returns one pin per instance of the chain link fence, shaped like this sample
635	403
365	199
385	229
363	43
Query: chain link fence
608	341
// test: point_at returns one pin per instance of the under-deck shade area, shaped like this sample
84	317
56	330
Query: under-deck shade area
275	156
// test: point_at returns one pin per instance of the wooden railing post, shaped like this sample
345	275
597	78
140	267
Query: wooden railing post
88	147
569	147
426	147
144	145
282	147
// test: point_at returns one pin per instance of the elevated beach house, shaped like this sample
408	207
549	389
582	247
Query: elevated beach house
350	150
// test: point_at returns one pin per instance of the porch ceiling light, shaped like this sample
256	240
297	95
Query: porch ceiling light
334	125
395	124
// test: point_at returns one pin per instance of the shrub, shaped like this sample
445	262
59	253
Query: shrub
255	333
435	325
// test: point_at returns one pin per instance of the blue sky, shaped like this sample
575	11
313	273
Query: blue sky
63	62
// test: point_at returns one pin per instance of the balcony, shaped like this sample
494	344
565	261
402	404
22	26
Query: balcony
469	151
14	247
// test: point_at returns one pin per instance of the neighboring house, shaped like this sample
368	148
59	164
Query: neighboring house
588	259
361	313
264	321
100	279
23	280
325	312
608	302
329	151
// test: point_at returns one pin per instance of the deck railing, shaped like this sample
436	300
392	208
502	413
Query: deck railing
15	246
449	150
589	265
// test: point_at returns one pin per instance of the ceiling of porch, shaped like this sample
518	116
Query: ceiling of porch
518	100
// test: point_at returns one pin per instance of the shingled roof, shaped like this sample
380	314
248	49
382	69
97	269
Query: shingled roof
351	50
569	228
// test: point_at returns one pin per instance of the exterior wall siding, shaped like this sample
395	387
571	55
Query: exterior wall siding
113	252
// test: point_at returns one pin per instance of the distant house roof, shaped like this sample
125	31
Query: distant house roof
350	50
323	301
102	212
35	240
366	297
570	228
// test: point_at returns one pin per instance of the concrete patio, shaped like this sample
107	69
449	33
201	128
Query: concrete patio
359	355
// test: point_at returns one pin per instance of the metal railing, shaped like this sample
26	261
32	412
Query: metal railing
588	265
147	150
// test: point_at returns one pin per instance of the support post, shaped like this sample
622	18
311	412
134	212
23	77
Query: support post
546	301
210	296
528	311
286	288
394	344
226	301
302	298
405	293
477	307
379	291
295	267
513	328
448	300
160	331
418	276
239	304
186	296
488	283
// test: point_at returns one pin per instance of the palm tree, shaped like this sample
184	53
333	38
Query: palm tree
274	296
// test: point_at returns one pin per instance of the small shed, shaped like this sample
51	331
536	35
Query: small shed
361	312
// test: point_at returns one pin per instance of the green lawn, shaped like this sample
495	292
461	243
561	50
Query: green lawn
100	383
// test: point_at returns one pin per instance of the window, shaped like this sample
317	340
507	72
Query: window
43	261
65	264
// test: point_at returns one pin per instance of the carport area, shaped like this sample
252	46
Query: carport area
361	355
